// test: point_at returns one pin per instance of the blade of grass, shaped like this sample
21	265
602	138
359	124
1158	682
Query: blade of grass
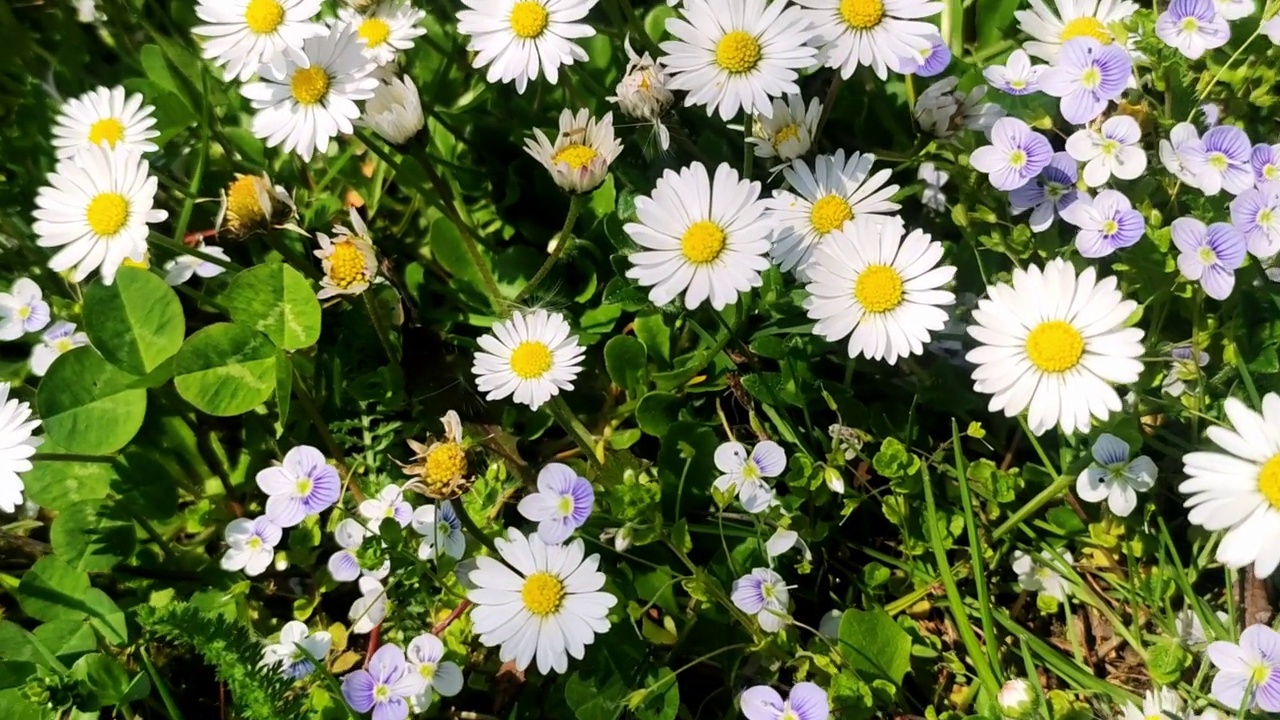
1083	678
975	553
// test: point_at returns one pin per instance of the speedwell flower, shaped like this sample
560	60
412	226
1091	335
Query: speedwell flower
1114	477
1209	255
60	338
1035	574
395	110
303	484
764	594
251	545
521	40
879	34
384	687
349	262
1107	223
788	132
562	504
1088	76
1192	27
1184	367
388	29
748	474
441	531
298	650
1049	193
579	157
1248	673
1018	76
929	62
531	356
807	701
1234	9
22	310
344	565
388	504
1220	160
1114	149
1265	160
105	115
1089	19
16	447
426	658
1175	151
1015	156
245	35
1256	213
183	267
370	609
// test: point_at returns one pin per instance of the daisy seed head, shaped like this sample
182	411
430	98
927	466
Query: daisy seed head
444	463
347	265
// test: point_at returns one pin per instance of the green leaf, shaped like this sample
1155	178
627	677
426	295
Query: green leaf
599	692
52	590
88	405
448	248
16	707
278	301
18	644
57	485
657	411
67	639
102	680
624	358
136	322
87	538
226	369
1166	660
874	645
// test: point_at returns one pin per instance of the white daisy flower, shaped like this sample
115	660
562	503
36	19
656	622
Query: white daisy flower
519	40
441	531
370	609
22	310
395	110
579	158
1053	343
764	594
879	34
16	447
531	356
105	115
737	54
1072	19
1114	477
390	28
60	338
879	290
425	656
1114	149
1158	704
826	199
182	268
296	654
349	262
748	475
252	202
96	207
1238	490
550	607
788	131
244	35
1036	575
701	238
311	99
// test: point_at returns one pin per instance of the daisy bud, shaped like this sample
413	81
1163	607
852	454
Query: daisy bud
395	110
579	156
1017	700
642	93
834	480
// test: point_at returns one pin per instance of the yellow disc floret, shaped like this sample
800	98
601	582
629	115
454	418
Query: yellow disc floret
702	242
543	594
1086	27
309	85
862	14
244	200
531	360
1055	346
347	265
108	130
374	31
264	16
576	156
830	213
446	462
738	52
528	19
107	213
878	289
1269	481
785	133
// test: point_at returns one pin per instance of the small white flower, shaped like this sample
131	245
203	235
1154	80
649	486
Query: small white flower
1018	76
389	503
1184	368
181	269
1158	704
22	310
299	649
783	540
788	131
1114	477
748	474
880	34
105	115
1113	150
60	338
395	110
579	158
763	593
244	35
1017	699
425	656
531	356
1192	27
1190	630
1035	574
1176	150
344	565
16	447
521	40
370	609
390	28
942	110
251	545
1234	9
932	196
441	531
829	626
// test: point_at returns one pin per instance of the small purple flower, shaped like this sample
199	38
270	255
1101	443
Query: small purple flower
389	503
1184	367
344	566
1173	152
806	702
1256	213
1248	673
1049	193
1017	76
1266	163
385	687
748	474
304	484
1107	223
1114	149
1087	77
1192	27
1221	160
561	505
1210	255
22	310
1015	156
251	545
763	593
932	60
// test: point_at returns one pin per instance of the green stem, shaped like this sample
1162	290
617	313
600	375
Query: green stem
154	534
1230	61
829	102
326	437
975	551
291	257
380	327
1052	492
471	527
563	415
332	681
180	248
162	687
562	242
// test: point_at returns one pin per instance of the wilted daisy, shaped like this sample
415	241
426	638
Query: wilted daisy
1087	76
531	356
1049	193
1015	156
700	238
105	115
550	607
244	35
96	208
826	198
183	267
1053	342
388	28
303	484
1114	149
1220	160
370	609
298	650
439	469
929	62
942	110
734	55
1265	160
579	157
312	99
251	545
425	656
1157	704
60	338
350	265
1114	477
384	686
1192	27
879	34
642	92
788	131
1035	574
395	110
1249	672
1018	76
1256	213
806	702
251	203
1089	19
562	504
388	504
16	447
1184	367
22	310
880	290
1209	255
344	565
1107	223
749	475
441	531
521	40
932	195
1174	152
764	594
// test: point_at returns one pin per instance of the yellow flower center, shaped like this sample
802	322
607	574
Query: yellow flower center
878	289
1055	346
531	360
785	133
738	52
1264	217
1218	161
347	265
244	203
374	31
264	16
310	85
830	213
109	130
575	156
107	213
63	345
445	462
862	14
255	543
1017	159
1110	227
24	312
1086	27
302	487
528	19
543	593
1260	674
427	670
702	242
1269	481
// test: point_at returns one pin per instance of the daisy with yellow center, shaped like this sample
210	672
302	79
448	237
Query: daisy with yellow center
789	130
702	238
389	28
105	116
522	40
579	158
244	35
545	602
881	34
529	357
1158	704
733	55
1054	343
440	468
350	265
252	203
1050	27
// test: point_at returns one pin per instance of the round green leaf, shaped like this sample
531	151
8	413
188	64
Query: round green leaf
136	322
88	405
658	411
225	369
278	301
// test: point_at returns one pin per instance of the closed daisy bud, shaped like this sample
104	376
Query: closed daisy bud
395	110
251	203
579	158
1017	699
642	92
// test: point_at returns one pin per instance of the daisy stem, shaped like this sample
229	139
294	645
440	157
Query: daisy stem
563	415
747	153
159	240
829	102
1049	493
566	233
380	327
1035	443
475	531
